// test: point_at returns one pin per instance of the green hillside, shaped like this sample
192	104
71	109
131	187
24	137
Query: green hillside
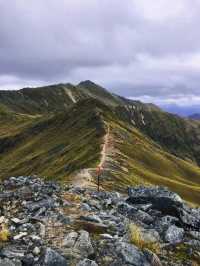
53	146
55	131
57	146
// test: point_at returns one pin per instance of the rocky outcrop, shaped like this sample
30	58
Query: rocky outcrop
167	203
45	224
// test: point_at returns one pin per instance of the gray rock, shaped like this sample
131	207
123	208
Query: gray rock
174	234
91	218
150	236
87	262
159	197
13	251
190	217
131	254
52	258
70	239
83	244
85	207
152	258
7	262
194	234
46	203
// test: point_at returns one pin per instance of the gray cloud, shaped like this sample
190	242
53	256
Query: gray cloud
137	48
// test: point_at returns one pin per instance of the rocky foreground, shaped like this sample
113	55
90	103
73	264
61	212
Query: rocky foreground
45	224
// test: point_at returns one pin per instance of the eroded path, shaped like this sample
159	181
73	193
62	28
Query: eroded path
85	177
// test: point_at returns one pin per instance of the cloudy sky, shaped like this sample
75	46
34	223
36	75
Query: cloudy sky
144	49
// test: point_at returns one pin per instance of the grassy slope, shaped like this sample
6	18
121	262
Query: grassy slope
56	146
148	163
176	135
49	139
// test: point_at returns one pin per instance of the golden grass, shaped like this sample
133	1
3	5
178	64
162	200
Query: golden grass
4	233
137	239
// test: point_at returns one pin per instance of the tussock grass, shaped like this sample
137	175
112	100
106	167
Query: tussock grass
4	233
137	240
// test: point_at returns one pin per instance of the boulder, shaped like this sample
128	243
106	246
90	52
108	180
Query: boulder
52	258
160	198
174	234
131	254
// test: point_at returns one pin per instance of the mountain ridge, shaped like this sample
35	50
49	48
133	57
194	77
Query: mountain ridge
63	136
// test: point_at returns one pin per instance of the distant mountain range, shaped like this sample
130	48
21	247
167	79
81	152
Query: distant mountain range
65	132
195	116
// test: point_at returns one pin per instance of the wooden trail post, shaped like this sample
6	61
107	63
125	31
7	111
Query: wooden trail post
98	171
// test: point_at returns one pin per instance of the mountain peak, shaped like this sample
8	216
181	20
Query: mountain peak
86	83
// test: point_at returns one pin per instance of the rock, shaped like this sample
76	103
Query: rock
13	251
96	228
7	262
190	217
18	221
2	219
106	236
83	244
152	258
85	207
131	254
194	234
150	236
161	198
20	235
70	240
52	258
91	218
47	203
28	260
174	234
36	251
87	262
133	213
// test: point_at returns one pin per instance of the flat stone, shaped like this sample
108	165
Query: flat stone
91	218
106	236
19	236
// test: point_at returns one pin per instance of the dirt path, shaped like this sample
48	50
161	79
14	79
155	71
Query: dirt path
105	148
84	178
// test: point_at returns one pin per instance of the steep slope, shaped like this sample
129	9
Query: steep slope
133	158
54	146
175	134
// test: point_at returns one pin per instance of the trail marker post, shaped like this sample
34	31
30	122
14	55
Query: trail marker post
98	171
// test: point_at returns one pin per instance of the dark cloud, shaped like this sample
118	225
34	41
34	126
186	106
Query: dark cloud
137	48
